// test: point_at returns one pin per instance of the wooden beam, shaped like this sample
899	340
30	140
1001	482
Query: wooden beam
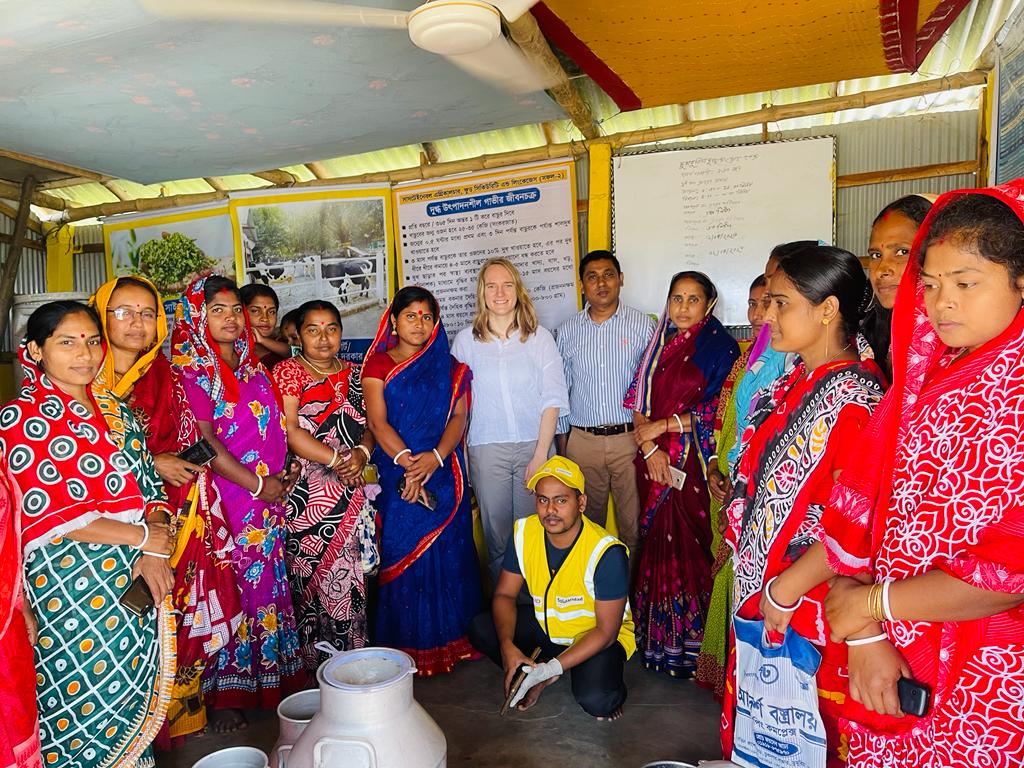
534	45
142	204
907	174
430	150
69	181
113	188
12	213
53	165
573	149
549	132
277	177
9	271
984	131
43	200
216	183
318	170
89	248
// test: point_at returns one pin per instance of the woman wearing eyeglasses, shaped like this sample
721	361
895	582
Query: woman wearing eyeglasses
134	328
135	371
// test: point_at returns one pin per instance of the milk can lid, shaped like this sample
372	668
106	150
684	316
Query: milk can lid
366	669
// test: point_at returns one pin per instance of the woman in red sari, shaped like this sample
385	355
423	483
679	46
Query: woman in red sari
800	435
674	397
19	727
935	518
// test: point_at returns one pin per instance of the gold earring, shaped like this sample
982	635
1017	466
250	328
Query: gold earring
825	321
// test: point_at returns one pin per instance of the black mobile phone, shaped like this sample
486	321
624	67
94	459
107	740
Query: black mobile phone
915	697
288	459
137	598
199	453
431	496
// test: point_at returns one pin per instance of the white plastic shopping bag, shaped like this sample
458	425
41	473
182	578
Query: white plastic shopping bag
777	719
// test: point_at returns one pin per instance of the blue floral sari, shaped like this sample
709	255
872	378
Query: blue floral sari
429	577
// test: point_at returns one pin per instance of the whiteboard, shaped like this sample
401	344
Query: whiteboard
719	210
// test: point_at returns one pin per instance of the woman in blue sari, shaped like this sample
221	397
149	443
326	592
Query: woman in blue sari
674	398
417	400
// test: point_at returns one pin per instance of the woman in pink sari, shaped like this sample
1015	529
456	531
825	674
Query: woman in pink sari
239	413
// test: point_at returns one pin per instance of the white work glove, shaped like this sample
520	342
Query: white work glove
538	674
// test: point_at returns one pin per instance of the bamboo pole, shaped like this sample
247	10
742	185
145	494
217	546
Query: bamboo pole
318	170
907	174
531	41
278	178
53	165
216	183
685	129
143	204
9	271
13	192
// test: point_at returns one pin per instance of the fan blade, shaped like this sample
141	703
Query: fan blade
292	12
503	65
512	9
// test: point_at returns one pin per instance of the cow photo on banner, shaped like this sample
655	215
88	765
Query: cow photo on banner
330	244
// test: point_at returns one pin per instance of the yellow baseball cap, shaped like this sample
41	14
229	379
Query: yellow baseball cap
562	469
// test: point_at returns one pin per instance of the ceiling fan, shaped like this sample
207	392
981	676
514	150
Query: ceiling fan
466	32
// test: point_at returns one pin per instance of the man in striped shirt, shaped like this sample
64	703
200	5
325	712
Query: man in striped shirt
601	348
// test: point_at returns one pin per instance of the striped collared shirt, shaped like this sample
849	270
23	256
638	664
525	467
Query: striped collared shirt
600	361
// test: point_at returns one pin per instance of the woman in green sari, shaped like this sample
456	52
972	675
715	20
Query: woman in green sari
711	661
93	517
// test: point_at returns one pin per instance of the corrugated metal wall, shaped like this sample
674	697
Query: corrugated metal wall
31	272
877	145
90	268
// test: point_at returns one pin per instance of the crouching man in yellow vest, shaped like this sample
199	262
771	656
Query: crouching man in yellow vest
577	575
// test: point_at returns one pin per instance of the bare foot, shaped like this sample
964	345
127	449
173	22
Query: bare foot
227	720
613	716
533	694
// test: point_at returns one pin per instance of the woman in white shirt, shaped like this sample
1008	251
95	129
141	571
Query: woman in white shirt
518	393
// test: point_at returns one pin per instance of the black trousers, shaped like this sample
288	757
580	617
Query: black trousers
597	683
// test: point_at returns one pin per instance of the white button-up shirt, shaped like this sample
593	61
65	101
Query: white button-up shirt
514	382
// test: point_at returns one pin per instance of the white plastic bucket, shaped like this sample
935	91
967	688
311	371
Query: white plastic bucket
234	757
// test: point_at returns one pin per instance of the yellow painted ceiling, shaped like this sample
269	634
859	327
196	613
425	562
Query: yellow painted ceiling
675	52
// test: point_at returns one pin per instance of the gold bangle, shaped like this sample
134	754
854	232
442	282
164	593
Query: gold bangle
874	602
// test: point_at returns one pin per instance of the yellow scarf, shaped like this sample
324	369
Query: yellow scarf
101	300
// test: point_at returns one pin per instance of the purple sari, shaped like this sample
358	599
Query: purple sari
261	664
682	373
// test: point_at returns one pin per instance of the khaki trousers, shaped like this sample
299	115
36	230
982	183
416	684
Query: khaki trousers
607	464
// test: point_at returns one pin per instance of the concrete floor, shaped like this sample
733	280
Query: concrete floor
664	719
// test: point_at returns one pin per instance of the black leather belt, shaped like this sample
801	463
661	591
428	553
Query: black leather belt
607	430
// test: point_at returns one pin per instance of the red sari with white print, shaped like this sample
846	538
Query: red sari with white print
940	485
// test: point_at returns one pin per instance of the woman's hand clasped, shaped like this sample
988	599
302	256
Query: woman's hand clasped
649	431
419	468
161	539
846	608
174	471
274	490
350	471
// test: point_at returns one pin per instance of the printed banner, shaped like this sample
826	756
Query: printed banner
446	229
331	243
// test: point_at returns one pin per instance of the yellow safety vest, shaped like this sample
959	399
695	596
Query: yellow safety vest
564	602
